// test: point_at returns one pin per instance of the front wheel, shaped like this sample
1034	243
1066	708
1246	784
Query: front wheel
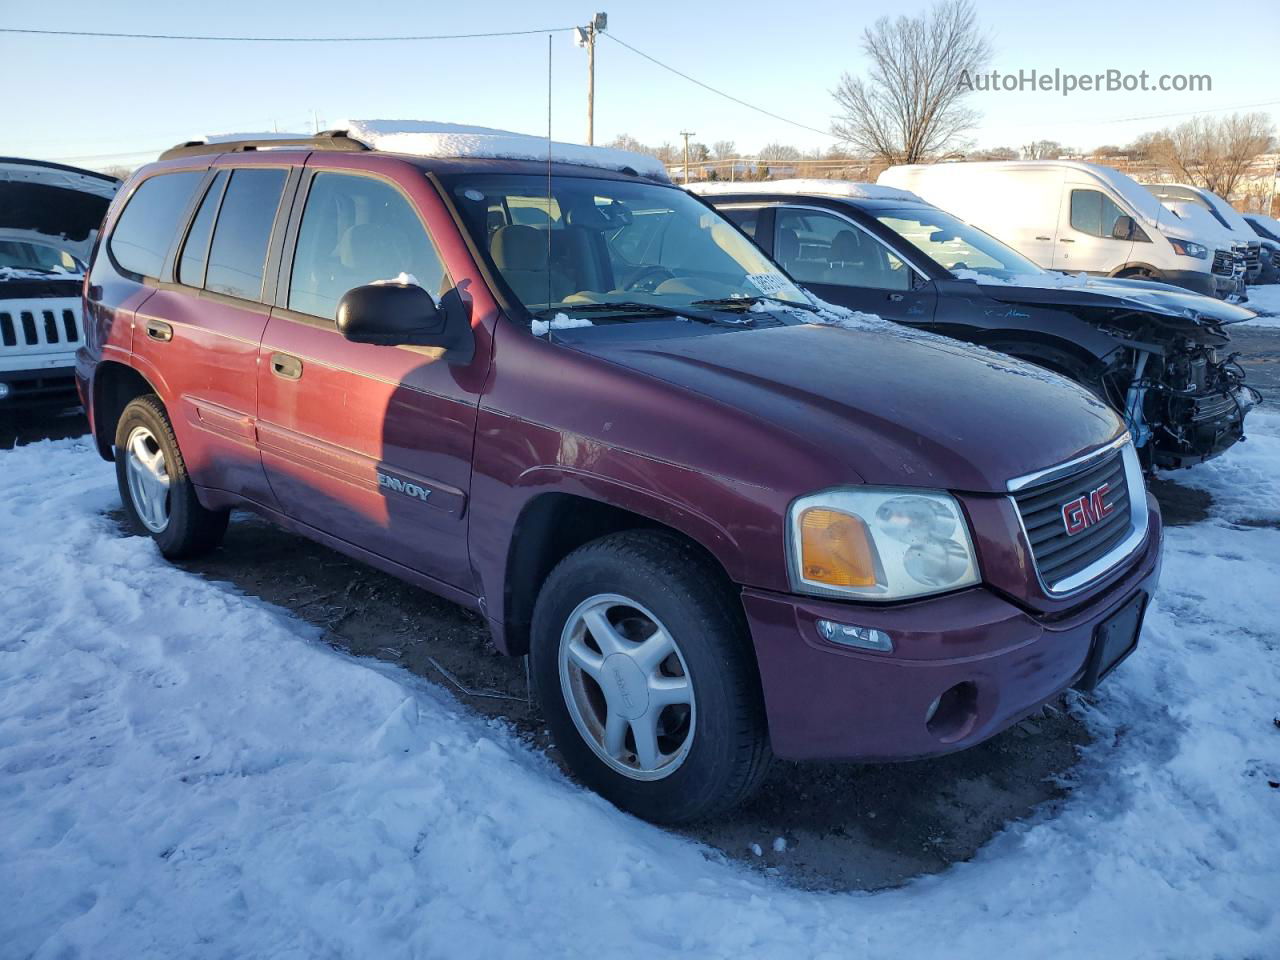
158	496
645	675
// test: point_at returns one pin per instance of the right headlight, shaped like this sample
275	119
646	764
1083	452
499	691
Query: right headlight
1188	249
879	543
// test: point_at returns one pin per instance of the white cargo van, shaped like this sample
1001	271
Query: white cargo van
1075	217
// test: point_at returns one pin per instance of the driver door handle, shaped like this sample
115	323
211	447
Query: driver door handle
895	297
1044	238
1065	240
285	366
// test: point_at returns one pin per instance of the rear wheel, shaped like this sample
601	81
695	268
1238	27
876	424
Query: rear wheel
159	498
645	676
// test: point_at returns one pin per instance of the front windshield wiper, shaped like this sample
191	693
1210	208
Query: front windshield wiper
626	308
747	303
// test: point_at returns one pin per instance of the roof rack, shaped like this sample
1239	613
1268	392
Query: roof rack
326	140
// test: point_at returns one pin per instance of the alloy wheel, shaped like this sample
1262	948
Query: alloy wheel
627	687
148	477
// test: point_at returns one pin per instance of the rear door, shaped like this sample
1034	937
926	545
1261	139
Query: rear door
201	329
368	444
1086	232
842	262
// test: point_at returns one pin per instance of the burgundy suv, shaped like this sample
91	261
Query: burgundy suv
577	400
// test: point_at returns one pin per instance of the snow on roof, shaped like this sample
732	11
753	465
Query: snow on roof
427	138
801	185
250	135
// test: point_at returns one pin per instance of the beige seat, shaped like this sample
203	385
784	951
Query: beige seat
520	253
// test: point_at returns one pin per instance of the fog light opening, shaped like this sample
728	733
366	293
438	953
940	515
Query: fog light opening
952	715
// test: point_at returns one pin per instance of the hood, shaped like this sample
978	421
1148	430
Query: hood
53	204
1114	293
890	408
1202	223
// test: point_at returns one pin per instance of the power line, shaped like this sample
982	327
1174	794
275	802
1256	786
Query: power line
97	34
720	93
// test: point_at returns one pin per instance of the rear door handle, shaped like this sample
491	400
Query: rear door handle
1065	240
159	330
283	365
1044	238
895	297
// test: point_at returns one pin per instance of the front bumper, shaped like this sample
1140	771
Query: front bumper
826	701
51	386
1197	281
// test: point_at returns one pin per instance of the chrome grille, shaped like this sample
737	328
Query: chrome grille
1222	264
1059	555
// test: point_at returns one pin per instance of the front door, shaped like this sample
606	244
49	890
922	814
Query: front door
368	444
1087	241
844	264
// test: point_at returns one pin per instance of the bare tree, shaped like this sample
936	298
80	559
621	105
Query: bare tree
778	153
1215	153
910	107
724	149
118	171
1043	150
993	153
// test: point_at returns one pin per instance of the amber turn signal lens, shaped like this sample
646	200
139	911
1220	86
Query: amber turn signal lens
835	549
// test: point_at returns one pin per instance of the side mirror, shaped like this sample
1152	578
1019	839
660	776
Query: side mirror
391	314
1123	229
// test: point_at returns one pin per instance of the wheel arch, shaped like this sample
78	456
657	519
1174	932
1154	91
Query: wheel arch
114	386
549	527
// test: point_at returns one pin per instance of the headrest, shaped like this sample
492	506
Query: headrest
845	246
519	247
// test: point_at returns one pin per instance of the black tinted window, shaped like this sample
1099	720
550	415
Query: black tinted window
239	250
745	218
357	230
146	228
196	250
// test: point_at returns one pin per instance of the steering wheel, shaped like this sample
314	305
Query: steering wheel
648	279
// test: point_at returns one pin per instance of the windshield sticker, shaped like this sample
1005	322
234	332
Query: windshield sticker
768	283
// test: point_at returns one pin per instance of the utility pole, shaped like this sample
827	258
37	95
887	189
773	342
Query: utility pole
586	37
686	134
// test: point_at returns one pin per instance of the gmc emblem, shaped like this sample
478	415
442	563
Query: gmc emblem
1084	512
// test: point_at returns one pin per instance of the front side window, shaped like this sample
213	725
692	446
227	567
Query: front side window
955	245
146	228
356	231
238	253
1094	213
817	247
595	242
747	218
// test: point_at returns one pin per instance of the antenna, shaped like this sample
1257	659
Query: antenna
549	182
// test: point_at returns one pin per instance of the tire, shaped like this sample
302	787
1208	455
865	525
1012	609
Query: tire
708	754
147	453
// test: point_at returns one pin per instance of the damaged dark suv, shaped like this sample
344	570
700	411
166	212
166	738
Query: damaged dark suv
1155	353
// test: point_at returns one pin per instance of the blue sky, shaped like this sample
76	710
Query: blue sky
89	100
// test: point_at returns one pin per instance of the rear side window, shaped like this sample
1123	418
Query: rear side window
196	250
238	254
357	230
146	227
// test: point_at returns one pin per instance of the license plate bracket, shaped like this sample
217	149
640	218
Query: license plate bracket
1113	640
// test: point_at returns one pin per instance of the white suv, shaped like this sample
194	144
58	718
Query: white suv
49	218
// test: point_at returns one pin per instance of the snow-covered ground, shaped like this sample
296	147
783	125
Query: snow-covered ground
187	772
1265	300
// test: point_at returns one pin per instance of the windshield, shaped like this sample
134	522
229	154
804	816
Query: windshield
25	255
649	249
955	244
